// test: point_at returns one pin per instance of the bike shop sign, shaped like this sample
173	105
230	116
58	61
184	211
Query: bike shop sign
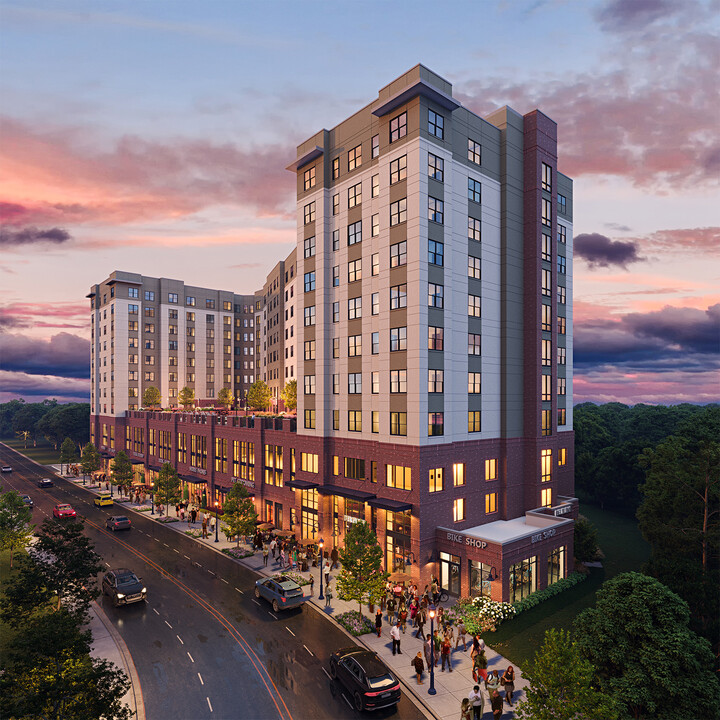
466	540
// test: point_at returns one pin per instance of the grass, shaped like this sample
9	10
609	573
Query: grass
44	453
625	550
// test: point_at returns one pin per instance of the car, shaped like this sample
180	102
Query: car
123	586
6	468
104	498
64	511
281	591
27	500
118	522
45	483
366	677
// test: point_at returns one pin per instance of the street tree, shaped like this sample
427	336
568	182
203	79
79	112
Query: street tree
27	418
259	395
289	394
186	397
638	638
361	577
563	684
122	471
151	397
68	453
239	515
89	460
225	397
67	420
585	541
24	435
15	528
166	488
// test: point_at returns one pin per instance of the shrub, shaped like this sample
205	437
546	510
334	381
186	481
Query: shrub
194	533
237	553
167	519
296	577
355	623
541	595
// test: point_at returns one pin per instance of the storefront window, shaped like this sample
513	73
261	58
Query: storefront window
480	574
450	573
523	579
397	539
354	512
309	513
556	565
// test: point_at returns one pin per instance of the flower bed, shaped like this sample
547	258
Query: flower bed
167	519
355	623
541	595
296	577
480	614
237	553
143	508
121	499
194	533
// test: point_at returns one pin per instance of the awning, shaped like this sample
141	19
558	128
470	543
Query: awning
387	504
137	462
193	479
345	492
301	484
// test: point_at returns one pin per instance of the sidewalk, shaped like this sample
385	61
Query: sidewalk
451	687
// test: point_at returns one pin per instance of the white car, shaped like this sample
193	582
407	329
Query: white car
6	468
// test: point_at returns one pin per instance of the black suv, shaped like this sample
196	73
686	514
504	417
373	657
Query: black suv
123	586
366	677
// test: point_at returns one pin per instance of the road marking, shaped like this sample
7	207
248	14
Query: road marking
225	581
209	704
326	672
180	639
212	573
108	564
166	545
155	611
198	564
177	551
290	631
275	616
240	591
186	556
201	680
168	624
256	602
156	540
191	657
309	650
346	700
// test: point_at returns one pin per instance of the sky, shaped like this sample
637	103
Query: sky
153	137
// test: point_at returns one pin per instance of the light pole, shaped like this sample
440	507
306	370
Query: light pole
152	503
431	689
320	565
217	520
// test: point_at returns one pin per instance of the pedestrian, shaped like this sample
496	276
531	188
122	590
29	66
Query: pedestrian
492	683
436	643
204	527
466	710
326	571
479	666
508	681
194	513
390	608
434	591
413	612
328	596
182	513
445	648
312	585
461	632
395	635
378	622
273	545
282	561
496	703
450	633
213	520
420	619
334	557
177	510
402	616
428	648
477	701
266	553
417	663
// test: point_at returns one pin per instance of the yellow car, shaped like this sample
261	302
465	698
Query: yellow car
103	499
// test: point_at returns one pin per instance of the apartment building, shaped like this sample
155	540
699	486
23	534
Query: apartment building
432	287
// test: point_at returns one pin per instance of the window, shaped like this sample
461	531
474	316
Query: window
547	283
336	347
473	267
309	281
435	338
562	456
546	353
561	386
354	421
309	384
172	297
336	420
436	252
473	306
435	424
546	423
355	383
562	204
436	210
398	339
309	246
355	195
354	233
398	212
435	295
336	168
398	254
474	382
336	276
336	204
435	480
474	152
375	304
398	127
310	419
474	190
398	296
375	382
458	509
309	315
561	294
309	213
436	381
354	308
375	225
562	325
309	178
309	349
375	144
336	384
398	169
546	177
398	476
546	248
375	343
172	345
398	381
436	124
546	321
491	469
546	497
436	167
562	416
474	229
354	345
172	315
474	344
546	394
490	503
309	462
546	212
133	309
354	158
336	312
561	233
375	262
190	301
561	352
132	292
562	264
398	424
209	304
354	270
150	295
556	564
474	421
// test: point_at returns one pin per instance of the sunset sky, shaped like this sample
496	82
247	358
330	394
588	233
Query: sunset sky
153	137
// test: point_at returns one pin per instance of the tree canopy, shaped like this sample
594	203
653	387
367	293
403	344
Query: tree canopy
239	514
90	460
151	397
15	528
122	470
258	396
186	397
167	485
68	453
225	397
289	394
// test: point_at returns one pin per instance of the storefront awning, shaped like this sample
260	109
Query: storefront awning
387	504
301	485
193	479
345	492
137	462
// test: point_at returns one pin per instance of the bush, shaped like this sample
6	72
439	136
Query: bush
237	553
541	595
355	623
167	519
194	533
296	577
585	541
480	614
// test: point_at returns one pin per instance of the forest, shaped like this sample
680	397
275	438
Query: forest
48	420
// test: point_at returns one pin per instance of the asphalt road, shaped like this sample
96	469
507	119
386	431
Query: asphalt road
203	645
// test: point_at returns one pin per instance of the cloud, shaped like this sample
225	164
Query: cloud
32	235
39	315
64	355
704	240
627	15
35	387
600	251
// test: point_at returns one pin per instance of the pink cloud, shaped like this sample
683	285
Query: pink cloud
49	315
37	387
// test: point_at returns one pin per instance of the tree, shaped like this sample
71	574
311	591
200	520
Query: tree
151	397
25	435
68	420
225	397
27	418
239	514
638	638
586	540
186	397
90	460
289	395
563	684
258	396
15	528
67	453
122	470
362	576
167	486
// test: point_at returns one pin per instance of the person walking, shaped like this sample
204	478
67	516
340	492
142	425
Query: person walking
282	561
204	527
496	703
266	554
402	618
378	622
312	585
478	702
193	514
492	682
437	643
461	632
479	666
273	546
420	619
334	557
328	596
466	710
390	608
213	520
326	570
427	647
508	681
445	648
395	635
417	663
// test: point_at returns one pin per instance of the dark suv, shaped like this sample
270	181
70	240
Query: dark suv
366	677
123	586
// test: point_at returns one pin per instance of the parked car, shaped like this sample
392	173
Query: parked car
45	483
366	677
123	586
6	468
27	500
118	522
104	498
64	511
281	591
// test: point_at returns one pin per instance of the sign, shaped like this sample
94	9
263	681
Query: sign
564	510
198	470
464	540
247	483
544	535
138	455
350	519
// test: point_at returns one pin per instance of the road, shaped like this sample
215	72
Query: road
203	645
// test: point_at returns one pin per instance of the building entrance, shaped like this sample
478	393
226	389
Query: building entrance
450	573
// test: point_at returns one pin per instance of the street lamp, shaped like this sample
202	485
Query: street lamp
431	689
152	503
320	565
217	520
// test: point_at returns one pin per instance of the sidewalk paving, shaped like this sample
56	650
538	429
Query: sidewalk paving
451	687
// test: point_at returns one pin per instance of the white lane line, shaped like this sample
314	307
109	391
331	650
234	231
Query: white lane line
166	545
309	650
275	616
186	556
108	564
346	700
326	672
156	540
180	639
200	678
290	631
191	657
210	704
240	591
155	611
168	624
177	551
225	581
256	602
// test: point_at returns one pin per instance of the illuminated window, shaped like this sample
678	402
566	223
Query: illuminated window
354	195
490	503
309	419
474	382
354	421
436	423
458	474
474	421
398	423
546	177
309	178
398	127
546	497
546	465
398	477
562	456
435	338
546	318
546	388
491	469
458	509
474	152
436	480
354	158
375	421
474	229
